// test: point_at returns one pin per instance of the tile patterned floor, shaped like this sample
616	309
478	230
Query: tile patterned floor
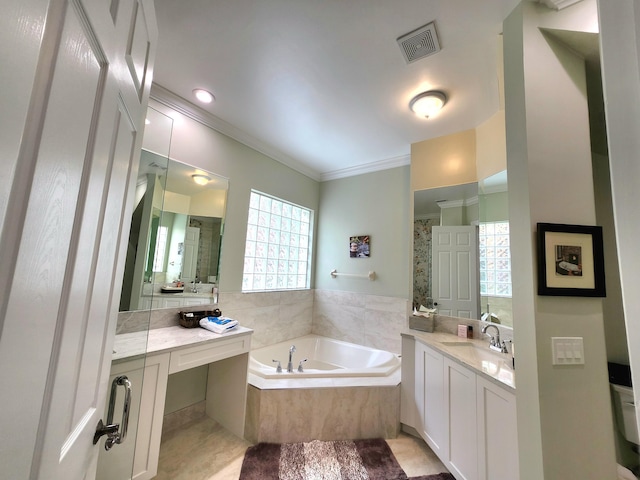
203	450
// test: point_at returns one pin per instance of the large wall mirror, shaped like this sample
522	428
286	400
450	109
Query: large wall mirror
176	229
483	207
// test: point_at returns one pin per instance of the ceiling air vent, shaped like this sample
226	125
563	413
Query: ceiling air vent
420	43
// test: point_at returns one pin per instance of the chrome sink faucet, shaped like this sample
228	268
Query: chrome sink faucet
495	343
290	364
194	287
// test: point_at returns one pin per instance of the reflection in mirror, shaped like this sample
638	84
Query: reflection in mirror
176	230
483	204
494	250
435	207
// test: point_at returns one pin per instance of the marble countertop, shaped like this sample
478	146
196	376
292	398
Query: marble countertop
129	345
473	353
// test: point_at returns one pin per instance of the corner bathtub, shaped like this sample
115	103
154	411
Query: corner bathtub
346	391
325	358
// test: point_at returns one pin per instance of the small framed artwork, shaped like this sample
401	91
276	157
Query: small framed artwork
570	260
360	246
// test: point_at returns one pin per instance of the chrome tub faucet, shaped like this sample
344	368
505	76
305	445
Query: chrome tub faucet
292	349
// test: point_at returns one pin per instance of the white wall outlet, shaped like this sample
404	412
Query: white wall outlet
567	350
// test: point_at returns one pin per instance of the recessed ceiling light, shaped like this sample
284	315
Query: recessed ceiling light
203	95
427	104
200	179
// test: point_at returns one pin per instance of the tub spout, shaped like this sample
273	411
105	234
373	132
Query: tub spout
292	349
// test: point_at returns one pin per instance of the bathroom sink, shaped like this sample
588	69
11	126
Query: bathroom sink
479	356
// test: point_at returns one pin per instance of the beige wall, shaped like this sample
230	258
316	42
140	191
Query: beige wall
491	146
444	161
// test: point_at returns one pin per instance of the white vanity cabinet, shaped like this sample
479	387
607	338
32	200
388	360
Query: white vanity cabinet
460	411
429	397
497	432
141	448
468	420
157	301
171	350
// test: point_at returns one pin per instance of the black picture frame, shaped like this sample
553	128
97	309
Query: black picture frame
570	260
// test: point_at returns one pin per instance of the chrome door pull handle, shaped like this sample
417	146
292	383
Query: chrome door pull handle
116	433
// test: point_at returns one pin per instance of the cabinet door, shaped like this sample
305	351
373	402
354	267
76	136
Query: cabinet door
191	301
172	302
497	432
431	402
141	448
460	397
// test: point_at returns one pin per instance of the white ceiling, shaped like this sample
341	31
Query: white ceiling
322	86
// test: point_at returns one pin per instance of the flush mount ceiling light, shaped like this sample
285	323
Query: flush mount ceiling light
428	103
200	179
203	95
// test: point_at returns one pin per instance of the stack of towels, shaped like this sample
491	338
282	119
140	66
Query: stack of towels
218	324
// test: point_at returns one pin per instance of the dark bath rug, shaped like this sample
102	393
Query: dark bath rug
319	460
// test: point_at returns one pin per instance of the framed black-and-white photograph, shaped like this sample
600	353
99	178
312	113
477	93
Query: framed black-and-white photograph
570	260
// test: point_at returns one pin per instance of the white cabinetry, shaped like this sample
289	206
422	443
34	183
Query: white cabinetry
228	359
466	419
142	445
154	302
497	432
430	399
460	410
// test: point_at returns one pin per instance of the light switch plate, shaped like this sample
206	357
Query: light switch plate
567	350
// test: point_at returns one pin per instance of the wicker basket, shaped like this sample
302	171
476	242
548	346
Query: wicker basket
192	319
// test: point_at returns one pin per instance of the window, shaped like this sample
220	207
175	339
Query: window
278	249
495	259
161	247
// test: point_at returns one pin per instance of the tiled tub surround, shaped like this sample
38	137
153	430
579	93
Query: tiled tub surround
370	320
361	400
333	413
273	316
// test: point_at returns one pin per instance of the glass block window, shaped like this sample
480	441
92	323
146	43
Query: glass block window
278	248
495	259
161	249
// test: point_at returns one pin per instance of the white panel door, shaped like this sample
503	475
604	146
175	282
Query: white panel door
190	259
62	220
455	271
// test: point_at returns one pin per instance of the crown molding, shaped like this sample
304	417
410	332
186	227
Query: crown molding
427	216
179	104
495	189
458	203
558	4
377	166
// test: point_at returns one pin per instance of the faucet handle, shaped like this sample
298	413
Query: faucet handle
279	367
300	365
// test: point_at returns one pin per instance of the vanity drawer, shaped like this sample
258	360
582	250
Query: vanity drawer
192	357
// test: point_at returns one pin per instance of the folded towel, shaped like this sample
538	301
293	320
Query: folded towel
218	324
